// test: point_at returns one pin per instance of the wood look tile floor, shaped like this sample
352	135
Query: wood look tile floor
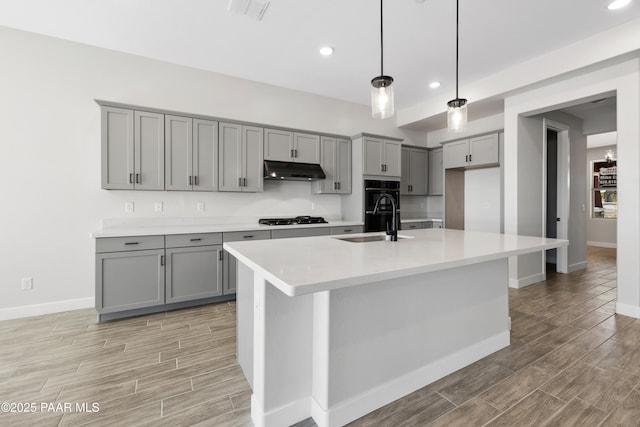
572	361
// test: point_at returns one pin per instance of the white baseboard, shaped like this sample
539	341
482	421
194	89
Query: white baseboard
46	308
286	415
408	383
602	244
525	281
628	310
577	266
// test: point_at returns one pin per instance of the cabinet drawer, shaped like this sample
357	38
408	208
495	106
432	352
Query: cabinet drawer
300	232
412	225
347	230
134	243
427	224
239	236
187	240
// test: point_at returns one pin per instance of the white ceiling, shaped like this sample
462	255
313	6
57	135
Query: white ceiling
282	49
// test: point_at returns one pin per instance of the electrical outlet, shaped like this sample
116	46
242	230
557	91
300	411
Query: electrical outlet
128	207
200	206
313	206
159	207
27	283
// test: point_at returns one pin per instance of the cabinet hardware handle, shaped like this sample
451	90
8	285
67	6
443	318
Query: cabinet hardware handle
138	179
338	185
131	243
195	240
239	182
348	230
244	180
195	180
251	236
291	155
190	180
296	152
470	155
130	178
161	259
221	255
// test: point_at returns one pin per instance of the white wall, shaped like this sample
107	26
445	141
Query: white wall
600	231
482	200
624	80
50	167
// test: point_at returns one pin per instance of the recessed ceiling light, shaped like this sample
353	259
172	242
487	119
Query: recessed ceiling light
326	50
434	85
617	4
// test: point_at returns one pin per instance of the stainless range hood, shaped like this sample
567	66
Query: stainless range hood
290	171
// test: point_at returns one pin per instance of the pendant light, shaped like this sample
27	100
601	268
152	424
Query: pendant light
381	86
457	108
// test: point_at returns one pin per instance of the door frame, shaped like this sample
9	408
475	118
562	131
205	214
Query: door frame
563	191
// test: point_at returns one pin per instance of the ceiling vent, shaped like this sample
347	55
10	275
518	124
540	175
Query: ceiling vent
250	8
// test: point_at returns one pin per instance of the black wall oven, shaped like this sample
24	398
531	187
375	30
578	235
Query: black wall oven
372	191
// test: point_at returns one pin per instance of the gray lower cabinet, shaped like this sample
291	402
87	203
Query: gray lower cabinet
129	279
347	229
412	225
300	232
193	273
230	278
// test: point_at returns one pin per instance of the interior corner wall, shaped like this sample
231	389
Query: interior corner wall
50	138
624	79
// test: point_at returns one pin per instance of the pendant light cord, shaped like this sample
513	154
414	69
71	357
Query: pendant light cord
457	31
381	43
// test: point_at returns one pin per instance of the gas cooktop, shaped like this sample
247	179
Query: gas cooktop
293	221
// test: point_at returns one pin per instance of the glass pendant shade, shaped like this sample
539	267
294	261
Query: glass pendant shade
382	97
457	115
609	156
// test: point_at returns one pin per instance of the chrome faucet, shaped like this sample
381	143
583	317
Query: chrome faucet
394	225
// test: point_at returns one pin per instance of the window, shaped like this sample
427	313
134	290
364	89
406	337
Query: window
604	190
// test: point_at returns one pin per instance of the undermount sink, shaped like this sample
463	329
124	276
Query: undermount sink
365	239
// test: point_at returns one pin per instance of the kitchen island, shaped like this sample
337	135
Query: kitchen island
334	327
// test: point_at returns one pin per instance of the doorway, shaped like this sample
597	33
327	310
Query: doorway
556	192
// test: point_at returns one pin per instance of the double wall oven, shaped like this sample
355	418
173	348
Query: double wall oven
372	191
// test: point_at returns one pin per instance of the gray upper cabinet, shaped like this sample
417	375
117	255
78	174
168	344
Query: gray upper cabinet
193	268
148	151
436	172
415	164
240	158
191	153
132	150
381	157
288	146
335	160
474	152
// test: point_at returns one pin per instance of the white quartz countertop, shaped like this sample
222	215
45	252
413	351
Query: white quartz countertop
154	230
313	264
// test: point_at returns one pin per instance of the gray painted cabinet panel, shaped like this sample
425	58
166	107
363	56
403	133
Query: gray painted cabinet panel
347	229
455	154
133	243
230	278
372	156
129	280
241	157
306	148
278	145
205	155
405	188
193	273
391	158
300	232
335	160
117	161
484	150
178	153
252	144
418	171
149	150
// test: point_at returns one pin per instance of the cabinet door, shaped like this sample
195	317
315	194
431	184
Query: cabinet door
405	181
278	145
411	225
230	160
343	166
372	156
253	158
117	149
149	151
392	158
230	277
455	154
435	172
328	153
484	150
300	232
129	280
178	153
205	155
306	148
418	170
193	273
